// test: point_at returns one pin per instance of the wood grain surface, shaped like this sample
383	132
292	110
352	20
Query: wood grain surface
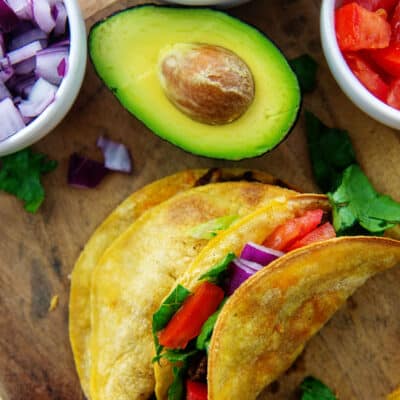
356	353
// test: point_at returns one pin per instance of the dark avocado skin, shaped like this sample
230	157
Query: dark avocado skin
178	7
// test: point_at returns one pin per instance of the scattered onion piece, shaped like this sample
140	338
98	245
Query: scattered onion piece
11	121
84	172
116	155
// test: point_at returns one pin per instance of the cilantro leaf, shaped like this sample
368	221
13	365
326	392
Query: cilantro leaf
305	68
215	274
331	152
20	175
356	201
314	389
177	389
167	309
209	229
203	340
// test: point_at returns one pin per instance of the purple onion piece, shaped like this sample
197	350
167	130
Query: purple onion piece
238	273
2	45
24	52
22	85
25	67
116	155
61	43
48	64
27	37
22	8
259	254
42	15
6	70
8	19
60	16
11	119
42	94
85	173
4	92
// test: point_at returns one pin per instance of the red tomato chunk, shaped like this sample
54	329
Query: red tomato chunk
388	59
393	98
196	390
374	5
358	28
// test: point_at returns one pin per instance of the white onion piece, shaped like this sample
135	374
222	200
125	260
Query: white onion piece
11	120
116	155
60	13
42	15
4	92
24	53
42	94
27	37
48	62
22	8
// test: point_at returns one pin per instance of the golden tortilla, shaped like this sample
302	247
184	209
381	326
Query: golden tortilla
139	269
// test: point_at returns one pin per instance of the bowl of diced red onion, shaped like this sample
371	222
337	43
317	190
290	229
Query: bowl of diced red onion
361	43
42	65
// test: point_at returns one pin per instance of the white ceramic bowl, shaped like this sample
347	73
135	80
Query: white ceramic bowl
66	93
218	3
353	88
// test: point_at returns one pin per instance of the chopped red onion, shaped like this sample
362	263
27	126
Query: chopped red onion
4	92
8	19
51	64
238	273
60	16
24	52
85	173
116	155
22	8
27	37
2	46
259	254
11	120
26	66
6	70
22	85
42	94
42	15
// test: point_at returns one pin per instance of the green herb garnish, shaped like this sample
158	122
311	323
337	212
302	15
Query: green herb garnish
209	229
20	175
314	389
331	152
177	389
215	274
203	340
167	309
305	68
357	207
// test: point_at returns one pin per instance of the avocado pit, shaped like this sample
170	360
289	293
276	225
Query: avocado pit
208	83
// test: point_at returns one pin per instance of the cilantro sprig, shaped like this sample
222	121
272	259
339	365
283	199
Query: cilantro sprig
305	68
314	389
20	175
357	207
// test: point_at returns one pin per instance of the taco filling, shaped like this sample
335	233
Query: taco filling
183	325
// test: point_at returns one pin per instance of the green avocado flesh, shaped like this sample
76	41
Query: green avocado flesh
125	50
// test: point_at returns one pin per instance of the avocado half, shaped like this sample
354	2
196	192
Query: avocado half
125	49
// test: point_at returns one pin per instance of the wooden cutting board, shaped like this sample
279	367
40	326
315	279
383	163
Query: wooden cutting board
356	353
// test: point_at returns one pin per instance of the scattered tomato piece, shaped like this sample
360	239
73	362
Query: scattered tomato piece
196	390
323	232
187	322
393	98
388	59
366	74
295	229
358	28
373	5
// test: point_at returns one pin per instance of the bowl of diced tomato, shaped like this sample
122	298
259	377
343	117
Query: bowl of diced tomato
361	42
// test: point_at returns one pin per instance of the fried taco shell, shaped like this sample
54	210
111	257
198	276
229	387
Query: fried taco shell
266	323
139	269
113	226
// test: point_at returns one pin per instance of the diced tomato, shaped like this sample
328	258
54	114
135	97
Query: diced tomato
395	24
323	232
196	390
374	5
295	229
358	28
393	98
367	75
388	59
186	324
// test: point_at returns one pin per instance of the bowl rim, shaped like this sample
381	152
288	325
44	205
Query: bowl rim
345	78
67	91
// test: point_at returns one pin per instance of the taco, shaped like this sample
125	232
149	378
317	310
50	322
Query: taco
140	267
113	226
246	311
